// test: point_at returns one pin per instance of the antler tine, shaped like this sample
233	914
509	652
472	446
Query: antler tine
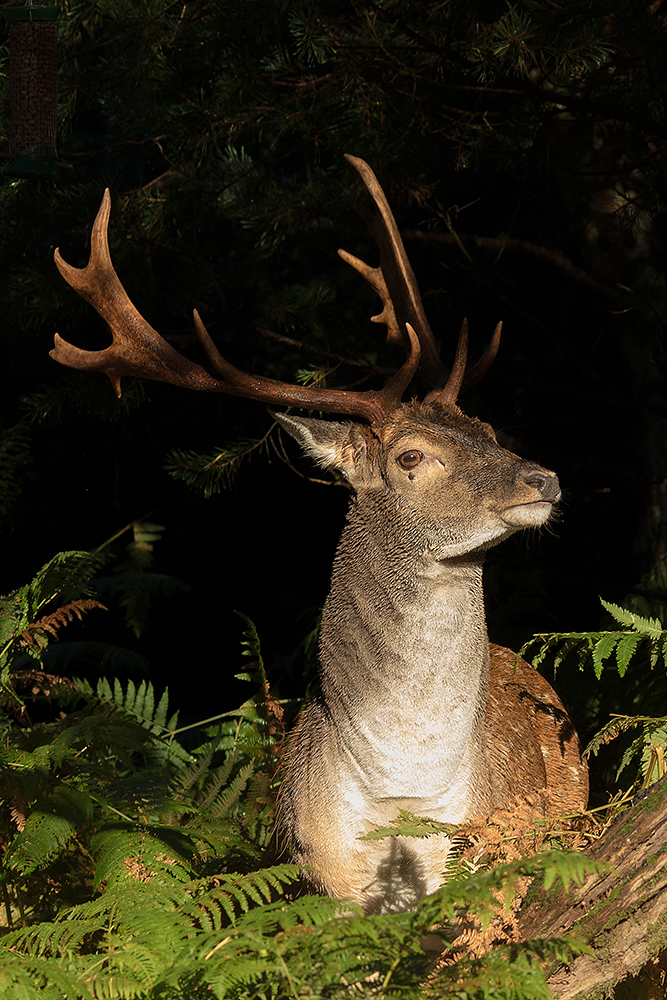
448	393
394	280
138	349
475	373
375	405
395	283
459	379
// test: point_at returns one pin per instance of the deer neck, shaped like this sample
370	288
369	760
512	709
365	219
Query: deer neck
404	657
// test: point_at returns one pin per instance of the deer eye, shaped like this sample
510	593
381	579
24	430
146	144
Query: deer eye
410	459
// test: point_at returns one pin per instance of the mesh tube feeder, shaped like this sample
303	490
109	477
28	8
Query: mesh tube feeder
33	85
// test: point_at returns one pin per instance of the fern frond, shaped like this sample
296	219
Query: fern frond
139	703
654	750
599	646
408	825
232	793
52	937
67	575
196	770
52	822
24	978
651	627
133	580
651	744
217	779
262	709
234	893
617	725
36	636
142	854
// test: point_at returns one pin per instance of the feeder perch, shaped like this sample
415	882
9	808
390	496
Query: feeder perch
33	85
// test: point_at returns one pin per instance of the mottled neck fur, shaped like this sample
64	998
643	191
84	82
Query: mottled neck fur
404	647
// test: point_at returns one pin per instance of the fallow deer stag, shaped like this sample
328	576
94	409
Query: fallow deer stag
414	711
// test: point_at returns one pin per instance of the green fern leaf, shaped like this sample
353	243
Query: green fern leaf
630	753
651	627
141	854
231	795
160	715
52	822
566	867
25	978
654	738
196	770
570	644
625	650
617	725
119	698
602	649
65	576
408	825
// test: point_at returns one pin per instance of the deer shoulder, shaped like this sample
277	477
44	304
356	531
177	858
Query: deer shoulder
528	731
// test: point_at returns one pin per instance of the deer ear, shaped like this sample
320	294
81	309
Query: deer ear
331	443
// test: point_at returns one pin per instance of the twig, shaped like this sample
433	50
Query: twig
330	355
282	455
496	244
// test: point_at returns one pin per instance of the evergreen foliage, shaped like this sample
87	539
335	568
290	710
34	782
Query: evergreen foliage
222	126
15	458
133	868
211	473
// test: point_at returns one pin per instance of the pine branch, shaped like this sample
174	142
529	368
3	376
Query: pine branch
499	244
15	458
215	471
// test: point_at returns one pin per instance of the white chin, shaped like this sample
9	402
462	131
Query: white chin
527	515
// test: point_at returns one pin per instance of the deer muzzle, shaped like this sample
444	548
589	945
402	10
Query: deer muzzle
536	504
546	483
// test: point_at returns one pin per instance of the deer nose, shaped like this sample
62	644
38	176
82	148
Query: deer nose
546	483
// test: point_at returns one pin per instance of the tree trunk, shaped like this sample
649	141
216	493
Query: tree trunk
621	914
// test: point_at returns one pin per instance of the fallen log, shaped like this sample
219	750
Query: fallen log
621	913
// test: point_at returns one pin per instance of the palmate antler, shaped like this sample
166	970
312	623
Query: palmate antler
137	349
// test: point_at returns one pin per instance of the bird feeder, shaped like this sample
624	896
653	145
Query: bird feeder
33	86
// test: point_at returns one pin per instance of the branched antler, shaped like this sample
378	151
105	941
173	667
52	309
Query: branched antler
395	282
138	349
